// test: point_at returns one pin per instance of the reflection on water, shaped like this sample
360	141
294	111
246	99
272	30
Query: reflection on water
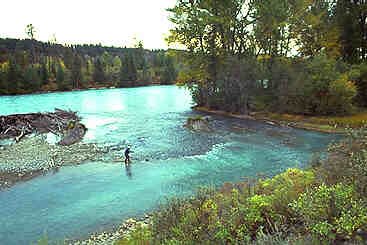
128	171
168	160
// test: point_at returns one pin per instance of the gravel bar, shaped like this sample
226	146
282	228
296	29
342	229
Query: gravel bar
33	156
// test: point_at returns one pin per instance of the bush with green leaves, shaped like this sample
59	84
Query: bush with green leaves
331	213
285	188
232	216
326	89
140	236
324	202
358	74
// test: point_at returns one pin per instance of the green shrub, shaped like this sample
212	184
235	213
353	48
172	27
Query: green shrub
235	214
140	236
331	213
341	94
283	210
285	188
358	74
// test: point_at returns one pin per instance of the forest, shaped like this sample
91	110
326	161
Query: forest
29	66
288	56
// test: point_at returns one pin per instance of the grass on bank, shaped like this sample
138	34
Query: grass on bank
329	124
323	123
325	204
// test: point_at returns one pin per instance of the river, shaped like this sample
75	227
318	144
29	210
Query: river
168	160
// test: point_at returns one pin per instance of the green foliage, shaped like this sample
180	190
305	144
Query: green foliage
169	73
266	31
61	78
128	73
132	72
350	19
211	31
358	74
3	82
83	66
32	81
322	72
331	212
98	74
341	94
318	86
44	72
13	76
76	72
140	236
285	188
234	216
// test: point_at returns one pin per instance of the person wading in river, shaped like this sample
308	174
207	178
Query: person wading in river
127	155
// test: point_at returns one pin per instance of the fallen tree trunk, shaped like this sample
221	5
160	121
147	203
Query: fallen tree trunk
18	125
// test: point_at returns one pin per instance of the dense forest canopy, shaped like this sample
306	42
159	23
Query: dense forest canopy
294	56
31	66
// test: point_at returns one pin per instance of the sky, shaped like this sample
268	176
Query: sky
116	23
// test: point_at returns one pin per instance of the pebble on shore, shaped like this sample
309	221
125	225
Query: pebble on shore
34	155
109	238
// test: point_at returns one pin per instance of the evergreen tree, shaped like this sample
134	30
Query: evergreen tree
32	80
98	74
145	74
13	77
44	72
128	73
60	78
53	67
351	19
3	82
68	58
76	72
132	72
123	75
169	73
139	57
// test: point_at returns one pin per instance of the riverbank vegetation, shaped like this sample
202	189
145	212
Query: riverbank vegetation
295	57
325	204
29	66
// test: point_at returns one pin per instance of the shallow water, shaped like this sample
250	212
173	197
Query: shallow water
167	160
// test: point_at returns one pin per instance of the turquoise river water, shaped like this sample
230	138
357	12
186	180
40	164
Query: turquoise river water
168	160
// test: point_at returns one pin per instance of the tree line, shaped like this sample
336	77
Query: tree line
29	65
288	56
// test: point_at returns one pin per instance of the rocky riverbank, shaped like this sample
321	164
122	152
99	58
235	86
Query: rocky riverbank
110	237
34	155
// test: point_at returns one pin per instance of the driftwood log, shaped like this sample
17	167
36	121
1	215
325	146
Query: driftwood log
59	123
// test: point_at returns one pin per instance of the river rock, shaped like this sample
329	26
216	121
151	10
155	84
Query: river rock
199	124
